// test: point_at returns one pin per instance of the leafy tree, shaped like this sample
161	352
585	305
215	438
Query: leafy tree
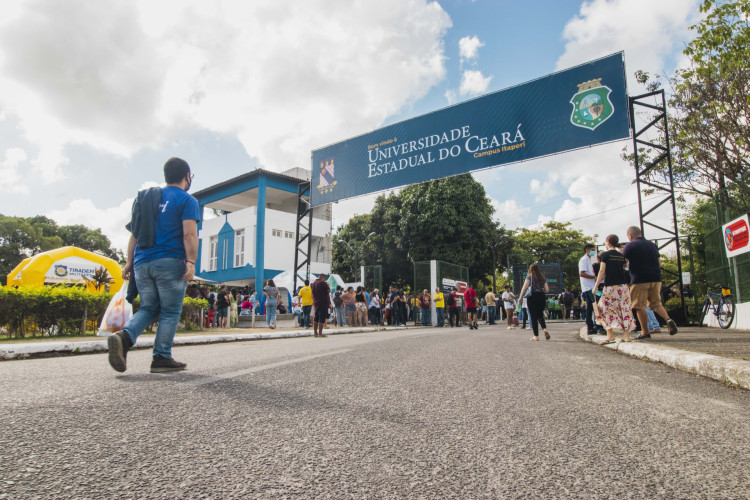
25	237
20	239
78	235
554	242
446	219
710	108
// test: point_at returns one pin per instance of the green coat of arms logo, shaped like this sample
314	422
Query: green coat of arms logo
591	105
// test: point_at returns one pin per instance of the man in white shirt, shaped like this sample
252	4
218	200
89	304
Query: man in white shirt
588	280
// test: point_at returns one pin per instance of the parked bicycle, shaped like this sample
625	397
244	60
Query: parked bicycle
720	304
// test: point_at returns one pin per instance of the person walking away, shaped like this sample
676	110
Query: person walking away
339	307
425	304
615	310
360	302
645	279
439	299
489	299
161	256
524	311
306	303
375	307
470	296
588	278
321	293
537	283
509	305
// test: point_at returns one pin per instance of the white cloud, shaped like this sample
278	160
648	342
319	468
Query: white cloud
510	213
9	171
543	190
474	82
285	77
468	47
110	220
647	31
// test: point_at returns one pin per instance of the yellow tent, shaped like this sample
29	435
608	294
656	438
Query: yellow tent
64	265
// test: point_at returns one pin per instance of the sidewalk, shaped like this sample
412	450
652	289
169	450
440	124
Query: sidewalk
146	341
722	355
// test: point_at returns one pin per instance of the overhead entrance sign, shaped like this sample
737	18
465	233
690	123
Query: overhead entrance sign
576	108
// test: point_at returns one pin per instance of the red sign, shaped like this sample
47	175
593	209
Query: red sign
462	286
737	236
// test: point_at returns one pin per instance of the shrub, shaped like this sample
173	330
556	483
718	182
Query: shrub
62	310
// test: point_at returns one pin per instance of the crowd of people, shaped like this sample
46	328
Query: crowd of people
620	289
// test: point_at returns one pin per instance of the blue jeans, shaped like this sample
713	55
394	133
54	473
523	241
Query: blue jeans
440	316
340	315
162	290
588	296
491	315
270	312
306	315
426	317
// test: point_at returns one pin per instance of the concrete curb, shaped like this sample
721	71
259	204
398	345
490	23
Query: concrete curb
729	371
20	351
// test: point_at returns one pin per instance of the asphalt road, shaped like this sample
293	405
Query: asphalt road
421	413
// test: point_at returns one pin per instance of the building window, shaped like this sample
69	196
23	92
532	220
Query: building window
289	234
239	248
276	232
213	244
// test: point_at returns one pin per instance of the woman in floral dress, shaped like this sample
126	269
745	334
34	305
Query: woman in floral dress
614	308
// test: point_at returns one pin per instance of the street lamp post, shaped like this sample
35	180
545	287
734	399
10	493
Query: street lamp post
494	265
356	254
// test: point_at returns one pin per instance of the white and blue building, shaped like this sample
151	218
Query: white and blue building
249	225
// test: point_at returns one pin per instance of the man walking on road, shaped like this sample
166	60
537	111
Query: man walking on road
645	279
161	255
321	293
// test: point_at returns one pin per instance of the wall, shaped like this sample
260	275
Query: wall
279	251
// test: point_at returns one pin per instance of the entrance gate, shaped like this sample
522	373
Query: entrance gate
527	121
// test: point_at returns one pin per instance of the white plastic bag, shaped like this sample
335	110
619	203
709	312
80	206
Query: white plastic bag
118	313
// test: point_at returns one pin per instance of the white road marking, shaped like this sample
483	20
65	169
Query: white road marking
260	368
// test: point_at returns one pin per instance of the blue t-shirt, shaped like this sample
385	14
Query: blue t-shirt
176	206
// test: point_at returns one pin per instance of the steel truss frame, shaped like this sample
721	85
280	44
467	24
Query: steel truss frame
303	238
659	122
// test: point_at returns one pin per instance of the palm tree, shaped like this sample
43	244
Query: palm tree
99	278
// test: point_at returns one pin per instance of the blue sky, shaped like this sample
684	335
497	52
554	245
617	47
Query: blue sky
95	96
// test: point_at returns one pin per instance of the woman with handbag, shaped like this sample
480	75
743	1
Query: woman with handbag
534	289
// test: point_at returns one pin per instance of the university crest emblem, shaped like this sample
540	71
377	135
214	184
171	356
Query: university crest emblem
61	271
591	105
327	180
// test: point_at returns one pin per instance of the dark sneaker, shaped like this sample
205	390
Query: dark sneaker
119	344
163	365
672	326
591	332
